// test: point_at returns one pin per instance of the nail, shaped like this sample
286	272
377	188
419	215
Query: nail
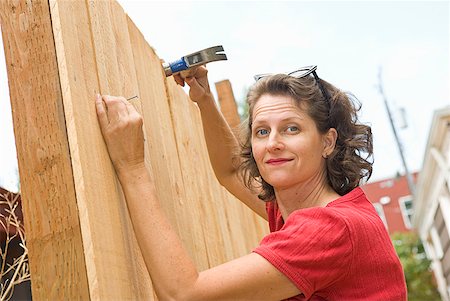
133	97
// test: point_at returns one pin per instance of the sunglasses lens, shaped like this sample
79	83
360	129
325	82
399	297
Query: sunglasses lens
259	76
301	73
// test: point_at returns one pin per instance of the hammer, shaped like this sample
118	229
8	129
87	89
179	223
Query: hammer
195	59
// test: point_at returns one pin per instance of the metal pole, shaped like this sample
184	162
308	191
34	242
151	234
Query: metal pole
408	175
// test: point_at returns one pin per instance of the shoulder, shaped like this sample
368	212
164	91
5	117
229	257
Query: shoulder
313	248
356	211
354	208
316	230
339	213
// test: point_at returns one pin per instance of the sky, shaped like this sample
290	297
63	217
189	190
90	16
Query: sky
349	41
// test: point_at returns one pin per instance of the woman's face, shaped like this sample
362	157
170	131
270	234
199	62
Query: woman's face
286	144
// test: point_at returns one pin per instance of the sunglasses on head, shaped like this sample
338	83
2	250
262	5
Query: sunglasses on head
299	73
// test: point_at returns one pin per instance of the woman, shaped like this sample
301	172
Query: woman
304	155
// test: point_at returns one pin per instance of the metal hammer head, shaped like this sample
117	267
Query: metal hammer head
195	59
208	55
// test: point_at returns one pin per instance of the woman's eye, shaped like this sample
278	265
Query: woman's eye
262	132
292	129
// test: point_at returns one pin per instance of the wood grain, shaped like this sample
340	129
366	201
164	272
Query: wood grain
81	242
56	254
227	103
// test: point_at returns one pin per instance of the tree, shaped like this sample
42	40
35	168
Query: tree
243	105
416	266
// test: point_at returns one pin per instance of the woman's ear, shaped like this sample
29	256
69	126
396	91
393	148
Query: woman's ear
329	142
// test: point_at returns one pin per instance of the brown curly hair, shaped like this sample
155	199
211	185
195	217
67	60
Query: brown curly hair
352	159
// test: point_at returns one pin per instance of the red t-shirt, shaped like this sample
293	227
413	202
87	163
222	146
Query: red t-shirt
338	252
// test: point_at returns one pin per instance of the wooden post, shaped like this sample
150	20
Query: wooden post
228	103
51	214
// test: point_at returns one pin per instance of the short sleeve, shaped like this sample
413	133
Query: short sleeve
313	249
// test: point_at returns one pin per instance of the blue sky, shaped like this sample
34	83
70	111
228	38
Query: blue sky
348	41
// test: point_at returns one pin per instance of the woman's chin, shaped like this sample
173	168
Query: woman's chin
279	182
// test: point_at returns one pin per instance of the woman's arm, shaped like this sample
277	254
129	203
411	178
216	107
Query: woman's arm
173	273
220	140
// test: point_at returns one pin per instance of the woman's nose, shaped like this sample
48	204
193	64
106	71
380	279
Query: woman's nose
274	142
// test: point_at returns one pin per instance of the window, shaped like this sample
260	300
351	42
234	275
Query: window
380	211
385	200
406	206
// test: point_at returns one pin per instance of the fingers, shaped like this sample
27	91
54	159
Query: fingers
197	72
192	82
133	114
178	79
200	71
101	111
112	109
116	108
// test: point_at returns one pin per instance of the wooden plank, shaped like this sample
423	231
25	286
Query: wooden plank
163	149
113	261
230	226
218	240
227	103
261	227
227	209
192	174
50	207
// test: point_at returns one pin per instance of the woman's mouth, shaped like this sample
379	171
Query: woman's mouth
278	161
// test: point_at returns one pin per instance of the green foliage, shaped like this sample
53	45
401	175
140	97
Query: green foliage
418	274
243	105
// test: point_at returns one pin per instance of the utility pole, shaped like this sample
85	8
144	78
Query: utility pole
408	175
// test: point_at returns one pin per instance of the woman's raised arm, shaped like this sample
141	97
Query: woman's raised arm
221	142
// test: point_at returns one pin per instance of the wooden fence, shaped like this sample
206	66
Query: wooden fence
59	54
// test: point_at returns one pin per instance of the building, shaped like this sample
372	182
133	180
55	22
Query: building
393	201
432	201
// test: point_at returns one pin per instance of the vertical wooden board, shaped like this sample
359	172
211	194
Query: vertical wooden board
236	232
191	172
157	122
227	103
163	149
124	83
242	230
128	81
115	266
220	244
218	205
249	223
239	229
230	227
50	210
262	228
